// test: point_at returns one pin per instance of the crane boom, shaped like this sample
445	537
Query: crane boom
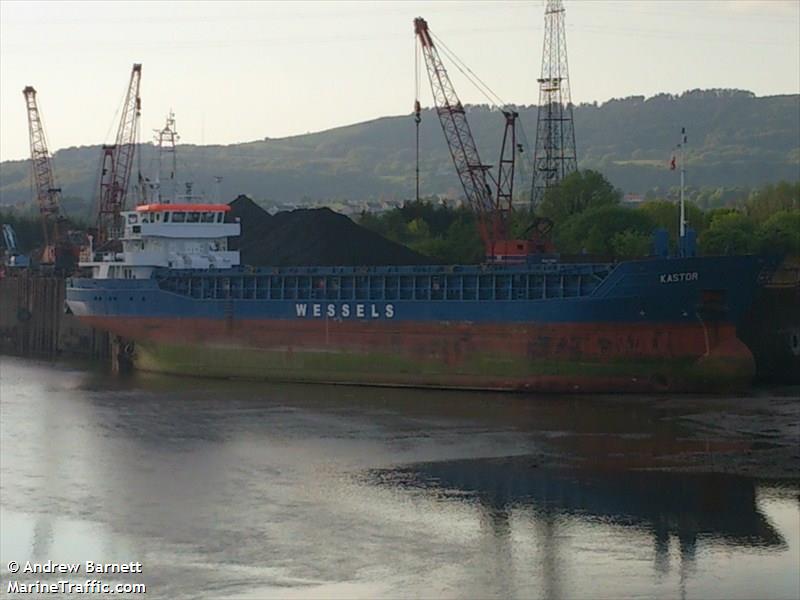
117	163
471	171
48	194
491	207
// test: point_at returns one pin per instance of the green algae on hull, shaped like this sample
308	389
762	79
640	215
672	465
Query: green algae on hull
478	371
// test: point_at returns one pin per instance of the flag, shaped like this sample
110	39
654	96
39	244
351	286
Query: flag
672	163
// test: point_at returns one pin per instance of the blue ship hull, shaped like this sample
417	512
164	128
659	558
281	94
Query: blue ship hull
638	325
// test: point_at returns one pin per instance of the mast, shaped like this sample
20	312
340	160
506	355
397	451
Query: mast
166	139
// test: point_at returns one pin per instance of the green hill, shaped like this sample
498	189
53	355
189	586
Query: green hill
735	139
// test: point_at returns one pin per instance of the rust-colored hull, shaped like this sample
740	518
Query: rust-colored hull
562	357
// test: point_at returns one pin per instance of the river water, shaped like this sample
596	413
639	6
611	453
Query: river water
245	490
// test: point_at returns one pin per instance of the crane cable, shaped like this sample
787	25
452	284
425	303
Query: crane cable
495	101
417	116
94	205
490	95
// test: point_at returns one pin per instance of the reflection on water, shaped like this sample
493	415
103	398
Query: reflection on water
244	490
717	507
720	510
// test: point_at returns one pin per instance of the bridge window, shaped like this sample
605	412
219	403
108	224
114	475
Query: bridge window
133	218
193	217
166	217
178	217
208	217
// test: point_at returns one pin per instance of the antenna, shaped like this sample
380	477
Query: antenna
218	185
554	157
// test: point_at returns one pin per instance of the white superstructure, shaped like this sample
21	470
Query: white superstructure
176	236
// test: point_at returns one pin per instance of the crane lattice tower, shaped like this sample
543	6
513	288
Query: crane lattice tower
554	157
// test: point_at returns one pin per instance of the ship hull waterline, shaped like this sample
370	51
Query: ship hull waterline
702	356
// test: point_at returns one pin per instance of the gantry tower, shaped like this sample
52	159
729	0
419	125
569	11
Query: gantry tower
554	156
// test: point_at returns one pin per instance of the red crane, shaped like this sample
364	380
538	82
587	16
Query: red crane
117	163
48	194
492	207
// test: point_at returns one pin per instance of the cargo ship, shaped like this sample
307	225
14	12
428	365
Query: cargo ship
182	303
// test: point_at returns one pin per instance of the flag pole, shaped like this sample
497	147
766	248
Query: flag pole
683	205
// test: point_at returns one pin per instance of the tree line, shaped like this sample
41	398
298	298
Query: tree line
589	217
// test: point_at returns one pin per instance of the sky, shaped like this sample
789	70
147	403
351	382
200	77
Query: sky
242	71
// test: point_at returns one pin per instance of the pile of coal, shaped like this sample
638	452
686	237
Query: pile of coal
311	237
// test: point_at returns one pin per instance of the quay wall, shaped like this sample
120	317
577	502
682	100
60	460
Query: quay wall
34	321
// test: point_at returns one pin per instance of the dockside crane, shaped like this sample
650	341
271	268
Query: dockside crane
488	196
48	194
117	163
